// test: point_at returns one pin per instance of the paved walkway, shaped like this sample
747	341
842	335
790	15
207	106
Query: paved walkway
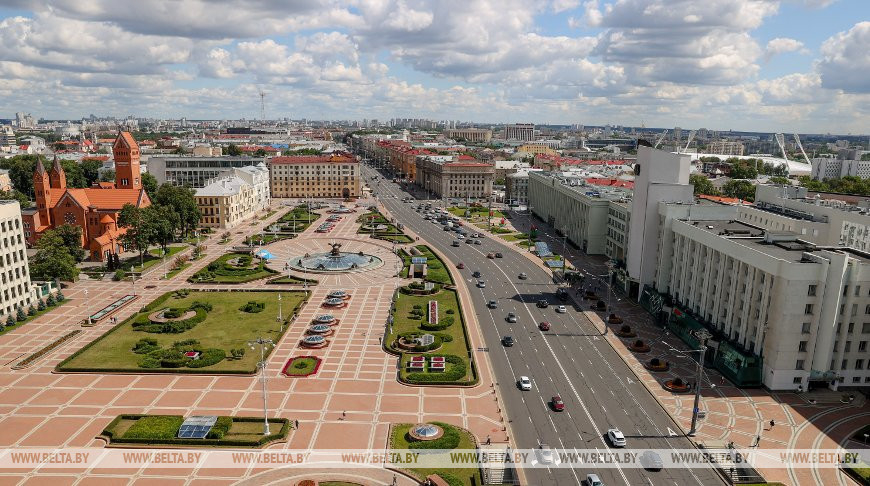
349	403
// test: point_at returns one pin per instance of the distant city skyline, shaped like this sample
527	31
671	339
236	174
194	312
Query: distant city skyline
746	65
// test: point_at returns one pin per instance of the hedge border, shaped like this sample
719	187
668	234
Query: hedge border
151	306
282	433
24	363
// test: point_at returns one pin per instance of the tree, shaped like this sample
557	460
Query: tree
741	169
149	182
702	185
180	200
52	260
740	189
21	169
91	171
780	180
72	240
22	199
20	316
233	150
10	321
163	222
139	231
108	175
260	153
40	305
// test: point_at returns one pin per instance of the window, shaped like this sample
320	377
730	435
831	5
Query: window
847	347
843	364
802	346
796	380
856	379
799	365
811	292
862	346
851	328
805	328
859	364
808	309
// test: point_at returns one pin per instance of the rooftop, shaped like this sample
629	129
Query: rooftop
226	186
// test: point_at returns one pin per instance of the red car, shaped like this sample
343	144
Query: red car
557	403
544	326
460	265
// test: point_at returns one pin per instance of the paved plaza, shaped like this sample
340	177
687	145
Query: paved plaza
349	403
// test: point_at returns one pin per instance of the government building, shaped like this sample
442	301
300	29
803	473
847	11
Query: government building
315	176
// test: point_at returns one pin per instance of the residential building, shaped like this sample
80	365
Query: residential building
455	177
725	147
95	209
257	176
315	176
517	187
15	290
520	131
207	151
5	181
535	149
194	171
226	202
469	134
503	168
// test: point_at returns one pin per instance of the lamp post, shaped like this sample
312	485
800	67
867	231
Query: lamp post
280	317
87	307
702	336
164	264
263	343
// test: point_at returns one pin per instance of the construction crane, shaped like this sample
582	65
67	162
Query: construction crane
797	139
688	141
659	140
262	105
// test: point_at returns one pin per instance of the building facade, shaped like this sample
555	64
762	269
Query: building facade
455	178
725	147
848	164
226	202
15	290
96	209
482	135
315	176
257	176
195	171
520	131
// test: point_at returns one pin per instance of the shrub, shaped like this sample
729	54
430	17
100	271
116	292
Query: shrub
220	428
155	427
149	362
60	297
50	300
451	479
10	321
186	342
173	313
452	373
31	311
20	315
450	311
213	266
173	359
40	305
253	307
145	346
119	275
207	357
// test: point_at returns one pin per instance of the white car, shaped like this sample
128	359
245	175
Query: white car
545	454
615	437
525	383
561	309
593	480
481	284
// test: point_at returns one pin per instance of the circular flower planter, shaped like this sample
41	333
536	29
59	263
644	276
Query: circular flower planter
626	332
639	346
289	367
676	386
314	342
614	319
656	364
601	305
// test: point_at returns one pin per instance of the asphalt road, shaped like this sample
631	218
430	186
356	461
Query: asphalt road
571	360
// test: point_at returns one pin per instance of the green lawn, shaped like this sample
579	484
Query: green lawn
267	238
173	273
299	219
225	327
515	237
469	476
302	366
153	257
269	214
163	430
404	322
436	272
221	271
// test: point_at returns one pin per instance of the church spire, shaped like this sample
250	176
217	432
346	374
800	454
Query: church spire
40	169
57	176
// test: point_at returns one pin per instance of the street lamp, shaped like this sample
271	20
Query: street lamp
280	318
702	336
87	307
164	264
263	343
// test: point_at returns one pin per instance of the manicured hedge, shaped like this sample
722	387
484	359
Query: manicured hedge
281	434
155	427
447	377
449	440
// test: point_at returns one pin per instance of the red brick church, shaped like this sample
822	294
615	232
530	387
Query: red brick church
95	209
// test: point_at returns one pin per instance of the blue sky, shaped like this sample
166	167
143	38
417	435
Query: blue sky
771	65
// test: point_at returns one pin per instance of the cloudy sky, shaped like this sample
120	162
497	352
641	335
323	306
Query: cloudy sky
773	65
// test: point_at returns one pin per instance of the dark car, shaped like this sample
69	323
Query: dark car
476	274
562	294
507	341
544	326
460	265
542	304
492	304
498	255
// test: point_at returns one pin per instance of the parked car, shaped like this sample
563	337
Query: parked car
525	383
477	242
456	243
557	403
511	317
490	255
498	255
616	438
507	341
544	326
561	309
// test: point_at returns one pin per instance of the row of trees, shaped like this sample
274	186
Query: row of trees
739	188
749	168
844	185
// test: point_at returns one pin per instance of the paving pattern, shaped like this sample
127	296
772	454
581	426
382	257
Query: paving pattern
349	403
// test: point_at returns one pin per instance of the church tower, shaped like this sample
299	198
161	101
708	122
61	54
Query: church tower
57	177
42	191
126	152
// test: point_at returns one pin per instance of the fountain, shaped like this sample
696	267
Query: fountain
335	261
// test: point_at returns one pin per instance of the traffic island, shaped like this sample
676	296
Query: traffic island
301	366
236	267
163	431
188	332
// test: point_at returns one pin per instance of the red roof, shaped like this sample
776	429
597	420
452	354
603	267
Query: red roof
108	198
598	181
465	157
101	158
337	158
724	200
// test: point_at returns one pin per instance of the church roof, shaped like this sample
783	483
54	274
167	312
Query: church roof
127	139
40	169
55	166
106	219
109	198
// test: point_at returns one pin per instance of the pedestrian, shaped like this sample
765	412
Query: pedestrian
343	414
296	424
757	441
488	440
379	340
771	424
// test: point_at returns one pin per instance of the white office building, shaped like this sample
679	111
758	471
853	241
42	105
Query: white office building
848	163
195	171
15	288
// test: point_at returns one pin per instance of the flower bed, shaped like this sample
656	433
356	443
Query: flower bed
162	430
625	331
657	365
309	366
639	346
676	386
433	312
24	363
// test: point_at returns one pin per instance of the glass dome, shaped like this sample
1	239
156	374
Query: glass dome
337	294
426	430
313	339
325	318
319	328
333	301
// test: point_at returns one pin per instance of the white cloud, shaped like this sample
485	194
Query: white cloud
559	6
846	60
782	45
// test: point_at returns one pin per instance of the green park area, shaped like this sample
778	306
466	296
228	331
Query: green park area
150	430
450	340
233	268
189	332
297	219
375	224
474	212
436	271
454	438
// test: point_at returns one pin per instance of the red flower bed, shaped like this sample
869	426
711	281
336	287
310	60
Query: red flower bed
290	371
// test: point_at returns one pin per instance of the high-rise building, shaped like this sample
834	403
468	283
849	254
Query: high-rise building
725	147
15	274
